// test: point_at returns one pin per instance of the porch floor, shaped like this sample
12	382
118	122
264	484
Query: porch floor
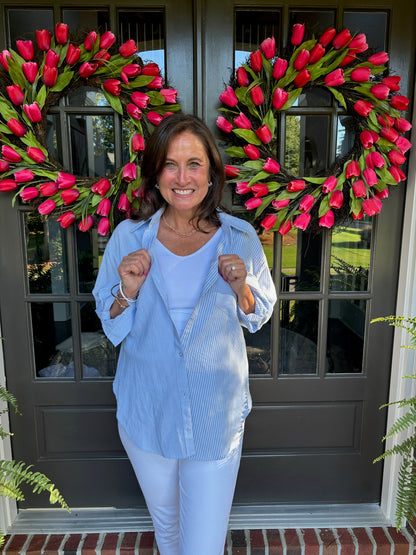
296	541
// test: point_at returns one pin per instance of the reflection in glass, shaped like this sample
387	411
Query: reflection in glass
258	349
373	24
46	255
316	21
99	356
346	324
301	261
251	28
86	96
99	20
24	21
350	256
90	249
306	151
92	143
345	135
298	337
52	340
314	97
54	137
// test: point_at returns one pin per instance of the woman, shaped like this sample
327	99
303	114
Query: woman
174	288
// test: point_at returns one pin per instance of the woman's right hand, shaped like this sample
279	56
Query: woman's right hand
133	271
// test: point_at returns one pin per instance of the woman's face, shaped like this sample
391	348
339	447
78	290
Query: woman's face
183	180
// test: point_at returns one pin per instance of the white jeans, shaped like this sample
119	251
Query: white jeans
189	501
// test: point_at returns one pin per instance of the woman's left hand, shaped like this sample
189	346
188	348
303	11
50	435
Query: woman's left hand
232	268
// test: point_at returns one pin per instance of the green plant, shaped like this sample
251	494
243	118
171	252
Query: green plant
406	486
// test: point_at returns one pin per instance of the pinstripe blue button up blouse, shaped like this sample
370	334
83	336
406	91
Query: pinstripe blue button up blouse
184	396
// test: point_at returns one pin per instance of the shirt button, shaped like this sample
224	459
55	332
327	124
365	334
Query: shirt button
180	354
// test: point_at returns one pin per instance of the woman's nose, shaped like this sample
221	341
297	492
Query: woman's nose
182	174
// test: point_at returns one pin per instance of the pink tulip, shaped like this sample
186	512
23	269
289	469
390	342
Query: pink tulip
370	207
396	157
67	219
280	97
224	124
316	54
130	70
268	222
327	220
103	226
16	94
302	221
335	78
22	176
367	139
90	40
50	75
33	112
348	58
370	176
128	48
268	47
385	120
329	184
231	171
242	77
101	187
381	92
252	152
264	134
361	74
134	111
169	95
302	78
336	200
392	82
86	223
327	36
151	69
4	166
298	31
51	58
16	127
140	99
104	207
402	125
65	180
154	117
375	160
397	173
10	154
285	227
229	97
379	59
48	189
359	189
7	185
383	193
241	188
137	143
69	195
342	39
359	43
157	83
403	144
30	71
358	216
61	33
242	121
86	69
301	59
260	189
257	96
101	57
112	86
36	154
124	203
296	185
399	102
4	55
271	166
129	172
252	203
363	107
279	204
107	40
46	207
72	54
279	68
29	193
25	49
256	61
43	38
390	134
306	203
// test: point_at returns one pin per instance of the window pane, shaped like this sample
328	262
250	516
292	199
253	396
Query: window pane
301	261
52	340
316	21
314	97
345	135
46	255
306	144
90	249
346	324
373	24
350	256
298	337
147	29
86	96
251	28
99	356
88	20
54	137
92	142
23	22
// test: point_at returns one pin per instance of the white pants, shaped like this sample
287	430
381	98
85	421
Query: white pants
189	501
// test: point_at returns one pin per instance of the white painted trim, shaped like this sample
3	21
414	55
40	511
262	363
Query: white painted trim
8	508
402	359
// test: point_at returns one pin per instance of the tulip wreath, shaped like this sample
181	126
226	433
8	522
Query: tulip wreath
36	75
268	84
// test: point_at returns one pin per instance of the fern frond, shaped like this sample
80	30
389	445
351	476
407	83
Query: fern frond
405	449
406	492
402	423
1	540
8	397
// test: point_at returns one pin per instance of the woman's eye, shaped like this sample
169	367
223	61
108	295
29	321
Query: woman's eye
194	164
169	164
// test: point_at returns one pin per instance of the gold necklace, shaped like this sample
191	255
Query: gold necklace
175	230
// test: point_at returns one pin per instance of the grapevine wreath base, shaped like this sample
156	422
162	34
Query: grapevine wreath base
268	84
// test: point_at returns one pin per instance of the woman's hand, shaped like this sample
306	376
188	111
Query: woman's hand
133	271
232	268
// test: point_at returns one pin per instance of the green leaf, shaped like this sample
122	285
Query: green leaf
63	81
324	206
270	121
258	177
7	111
235	152
266	201
245	98
41	97
316	180
16	72
141	81
293	96
254	164
385	176
338	96
114	101
156	99
248	135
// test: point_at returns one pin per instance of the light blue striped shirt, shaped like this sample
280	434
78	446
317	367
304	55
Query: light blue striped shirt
184	396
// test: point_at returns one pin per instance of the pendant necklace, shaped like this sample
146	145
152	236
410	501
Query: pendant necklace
175	230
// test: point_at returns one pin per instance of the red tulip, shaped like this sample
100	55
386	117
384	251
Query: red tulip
252	203
48	189
33	112
7	185
90	41
359	189
137	142
130	70
224	124
358	216
103	226
61	33
359	43
86	223
128	48
154	117
371	206
50	75
285	227
101	187
46	207
375	160
301	59
361	74
241	188
22	176
397	173
302	221
25	49
29	193
231	171
268	222
151	69
260	189
43	38
4	54
306	203
390	134
10	154
16	94
336	200
65	180
329	184
30	70
271	166
16	127
169	95
104	207
257	95
363	107
242	121
381	92
124	203
4	166
36	154
403	144
129	172
370	176
256	60
264	134
280	97
367	139
327	220
316	54
298	31
157	83
396	157
101	57
327	36
392	82
67	219
51	58
383	193
242	77
279	204
279	68
385	120
302	78
399	102
140	99
379	59
112	86
348	58
229	97
268	47
72	55
107	40
69	195
335	78
134	111
342	39
402	125
296	185
86	69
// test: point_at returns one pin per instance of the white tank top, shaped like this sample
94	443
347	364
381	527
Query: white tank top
184	277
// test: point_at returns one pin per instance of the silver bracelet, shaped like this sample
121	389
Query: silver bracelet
130	301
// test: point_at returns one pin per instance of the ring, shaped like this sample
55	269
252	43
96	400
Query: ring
232	267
